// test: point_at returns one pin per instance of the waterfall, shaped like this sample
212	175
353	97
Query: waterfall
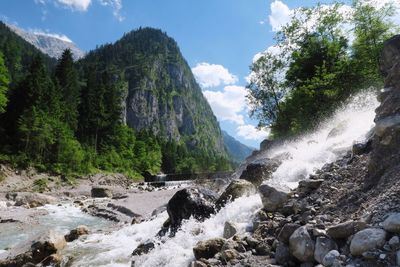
333	138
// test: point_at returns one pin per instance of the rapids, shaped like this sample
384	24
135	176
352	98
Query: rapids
333	138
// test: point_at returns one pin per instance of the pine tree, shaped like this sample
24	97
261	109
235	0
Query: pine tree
4	82
67	78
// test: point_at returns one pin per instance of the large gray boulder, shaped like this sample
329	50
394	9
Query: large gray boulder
273	197
392	223
345	229
189	202
235	189
322	246
101	191
301	245
367	239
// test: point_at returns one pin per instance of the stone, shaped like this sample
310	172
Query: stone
258	171
197	264
361	148
230	230
286	231
323	245
189	202
52	260
229	254
282	254
273	197
301	245
137	220
394	242
319	232
392	223
143	248
342	230
207	249
235	189
398	258
307	186
101	192
366	240
32	200
48	244
76	233
330	258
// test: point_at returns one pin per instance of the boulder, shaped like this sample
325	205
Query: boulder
229	254
323	245
47	244
343	230
101	191
282	254
301	245
143	248
286	231
230	230
189	202
76	233
366	240
273	197
207	249
235	189
394	242
259	171
32	200
392	223
330	257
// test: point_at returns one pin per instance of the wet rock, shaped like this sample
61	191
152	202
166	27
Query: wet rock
301	245
143	248
32	200
323	245
48	244
197	264
230	230
76	233
361	148
52	260
330	258
367	239
235	189
286	231
137	220
392	223
188	202
101	191
259	171
207	249
273	196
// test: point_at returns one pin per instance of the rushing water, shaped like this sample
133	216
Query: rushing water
303	157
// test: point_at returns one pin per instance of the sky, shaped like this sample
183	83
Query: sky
218	38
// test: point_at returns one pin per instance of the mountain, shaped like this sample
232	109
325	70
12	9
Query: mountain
162	94
50	44
236	150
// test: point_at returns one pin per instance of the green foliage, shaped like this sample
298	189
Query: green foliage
4	82
66	117
317	68
40	185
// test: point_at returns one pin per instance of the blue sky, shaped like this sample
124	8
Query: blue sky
219	38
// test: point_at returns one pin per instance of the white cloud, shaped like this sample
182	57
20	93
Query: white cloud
229	103
249	132
80	5
54	35
211	75
280	15
116	6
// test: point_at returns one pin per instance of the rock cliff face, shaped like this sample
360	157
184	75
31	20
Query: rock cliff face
163	95
386	141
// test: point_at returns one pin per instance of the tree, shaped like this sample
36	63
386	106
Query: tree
67	78
4	82
372	27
